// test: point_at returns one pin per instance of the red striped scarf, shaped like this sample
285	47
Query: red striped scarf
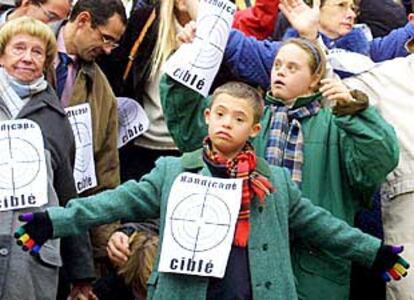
242	166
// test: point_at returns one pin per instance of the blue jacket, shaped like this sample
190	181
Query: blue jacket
379	49
251	60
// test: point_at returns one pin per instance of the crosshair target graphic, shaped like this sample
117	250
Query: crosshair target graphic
200	222
127	111
19	164
209	55
83	141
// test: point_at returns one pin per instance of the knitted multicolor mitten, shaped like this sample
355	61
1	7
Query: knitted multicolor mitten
35	232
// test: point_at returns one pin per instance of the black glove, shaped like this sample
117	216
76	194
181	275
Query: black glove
389	264
35	232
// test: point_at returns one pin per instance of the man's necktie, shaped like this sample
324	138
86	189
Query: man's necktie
62	72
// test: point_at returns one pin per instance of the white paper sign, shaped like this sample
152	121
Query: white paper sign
199	226
81	121
23	180
195	65
132	120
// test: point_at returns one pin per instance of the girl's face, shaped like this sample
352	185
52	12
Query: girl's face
291	75
337	17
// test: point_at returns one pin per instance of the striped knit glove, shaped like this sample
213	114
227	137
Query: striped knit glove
35	232
389	264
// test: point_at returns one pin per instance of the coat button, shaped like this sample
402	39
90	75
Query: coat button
268	284
4	251
260	209
265	247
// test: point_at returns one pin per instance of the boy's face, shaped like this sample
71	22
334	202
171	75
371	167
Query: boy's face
230	123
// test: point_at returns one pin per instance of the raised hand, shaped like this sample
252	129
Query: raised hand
35	232
187	34
303	18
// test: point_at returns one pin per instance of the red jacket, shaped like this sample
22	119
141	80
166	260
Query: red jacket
257	21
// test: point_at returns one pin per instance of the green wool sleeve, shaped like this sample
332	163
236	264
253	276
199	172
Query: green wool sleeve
184	114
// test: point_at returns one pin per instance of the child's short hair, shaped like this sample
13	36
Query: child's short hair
242	91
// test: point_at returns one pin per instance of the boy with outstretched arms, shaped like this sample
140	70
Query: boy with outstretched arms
259	265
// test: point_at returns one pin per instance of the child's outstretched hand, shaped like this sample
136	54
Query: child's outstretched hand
35	232
390	264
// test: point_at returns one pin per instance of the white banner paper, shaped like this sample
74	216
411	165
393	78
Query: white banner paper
200	223
81	121
23	180
195	65
132	120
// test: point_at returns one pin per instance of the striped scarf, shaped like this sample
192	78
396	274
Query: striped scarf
242	166
285	143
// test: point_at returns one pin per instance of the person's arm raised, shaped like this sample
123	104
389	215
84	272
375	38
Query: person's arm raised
303	18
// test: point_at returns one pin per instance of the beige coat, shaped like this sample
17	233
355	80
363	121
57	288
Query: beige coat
91	86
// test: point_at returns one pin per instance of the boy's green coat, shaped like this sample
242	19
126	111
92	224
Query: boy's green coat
284	211
345	160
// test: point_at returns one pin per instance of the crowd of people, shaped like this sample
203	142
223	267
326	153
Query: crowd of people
309	110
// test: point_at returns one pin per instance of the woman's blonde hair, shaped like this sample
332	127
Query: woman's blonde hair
32	27
316	56
166	42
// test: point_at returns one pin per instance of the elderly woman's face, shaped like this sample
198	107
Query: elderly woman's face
337	17
24	57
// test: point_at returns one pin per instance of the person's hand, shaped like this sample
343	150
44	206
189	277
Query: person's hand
334	90
118	248
303	18
344	102
389	264
82	291
35	232
411	18
187	34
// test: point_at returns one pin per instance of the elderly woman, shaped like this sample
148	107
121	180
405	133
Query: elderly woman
337	31
27	48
